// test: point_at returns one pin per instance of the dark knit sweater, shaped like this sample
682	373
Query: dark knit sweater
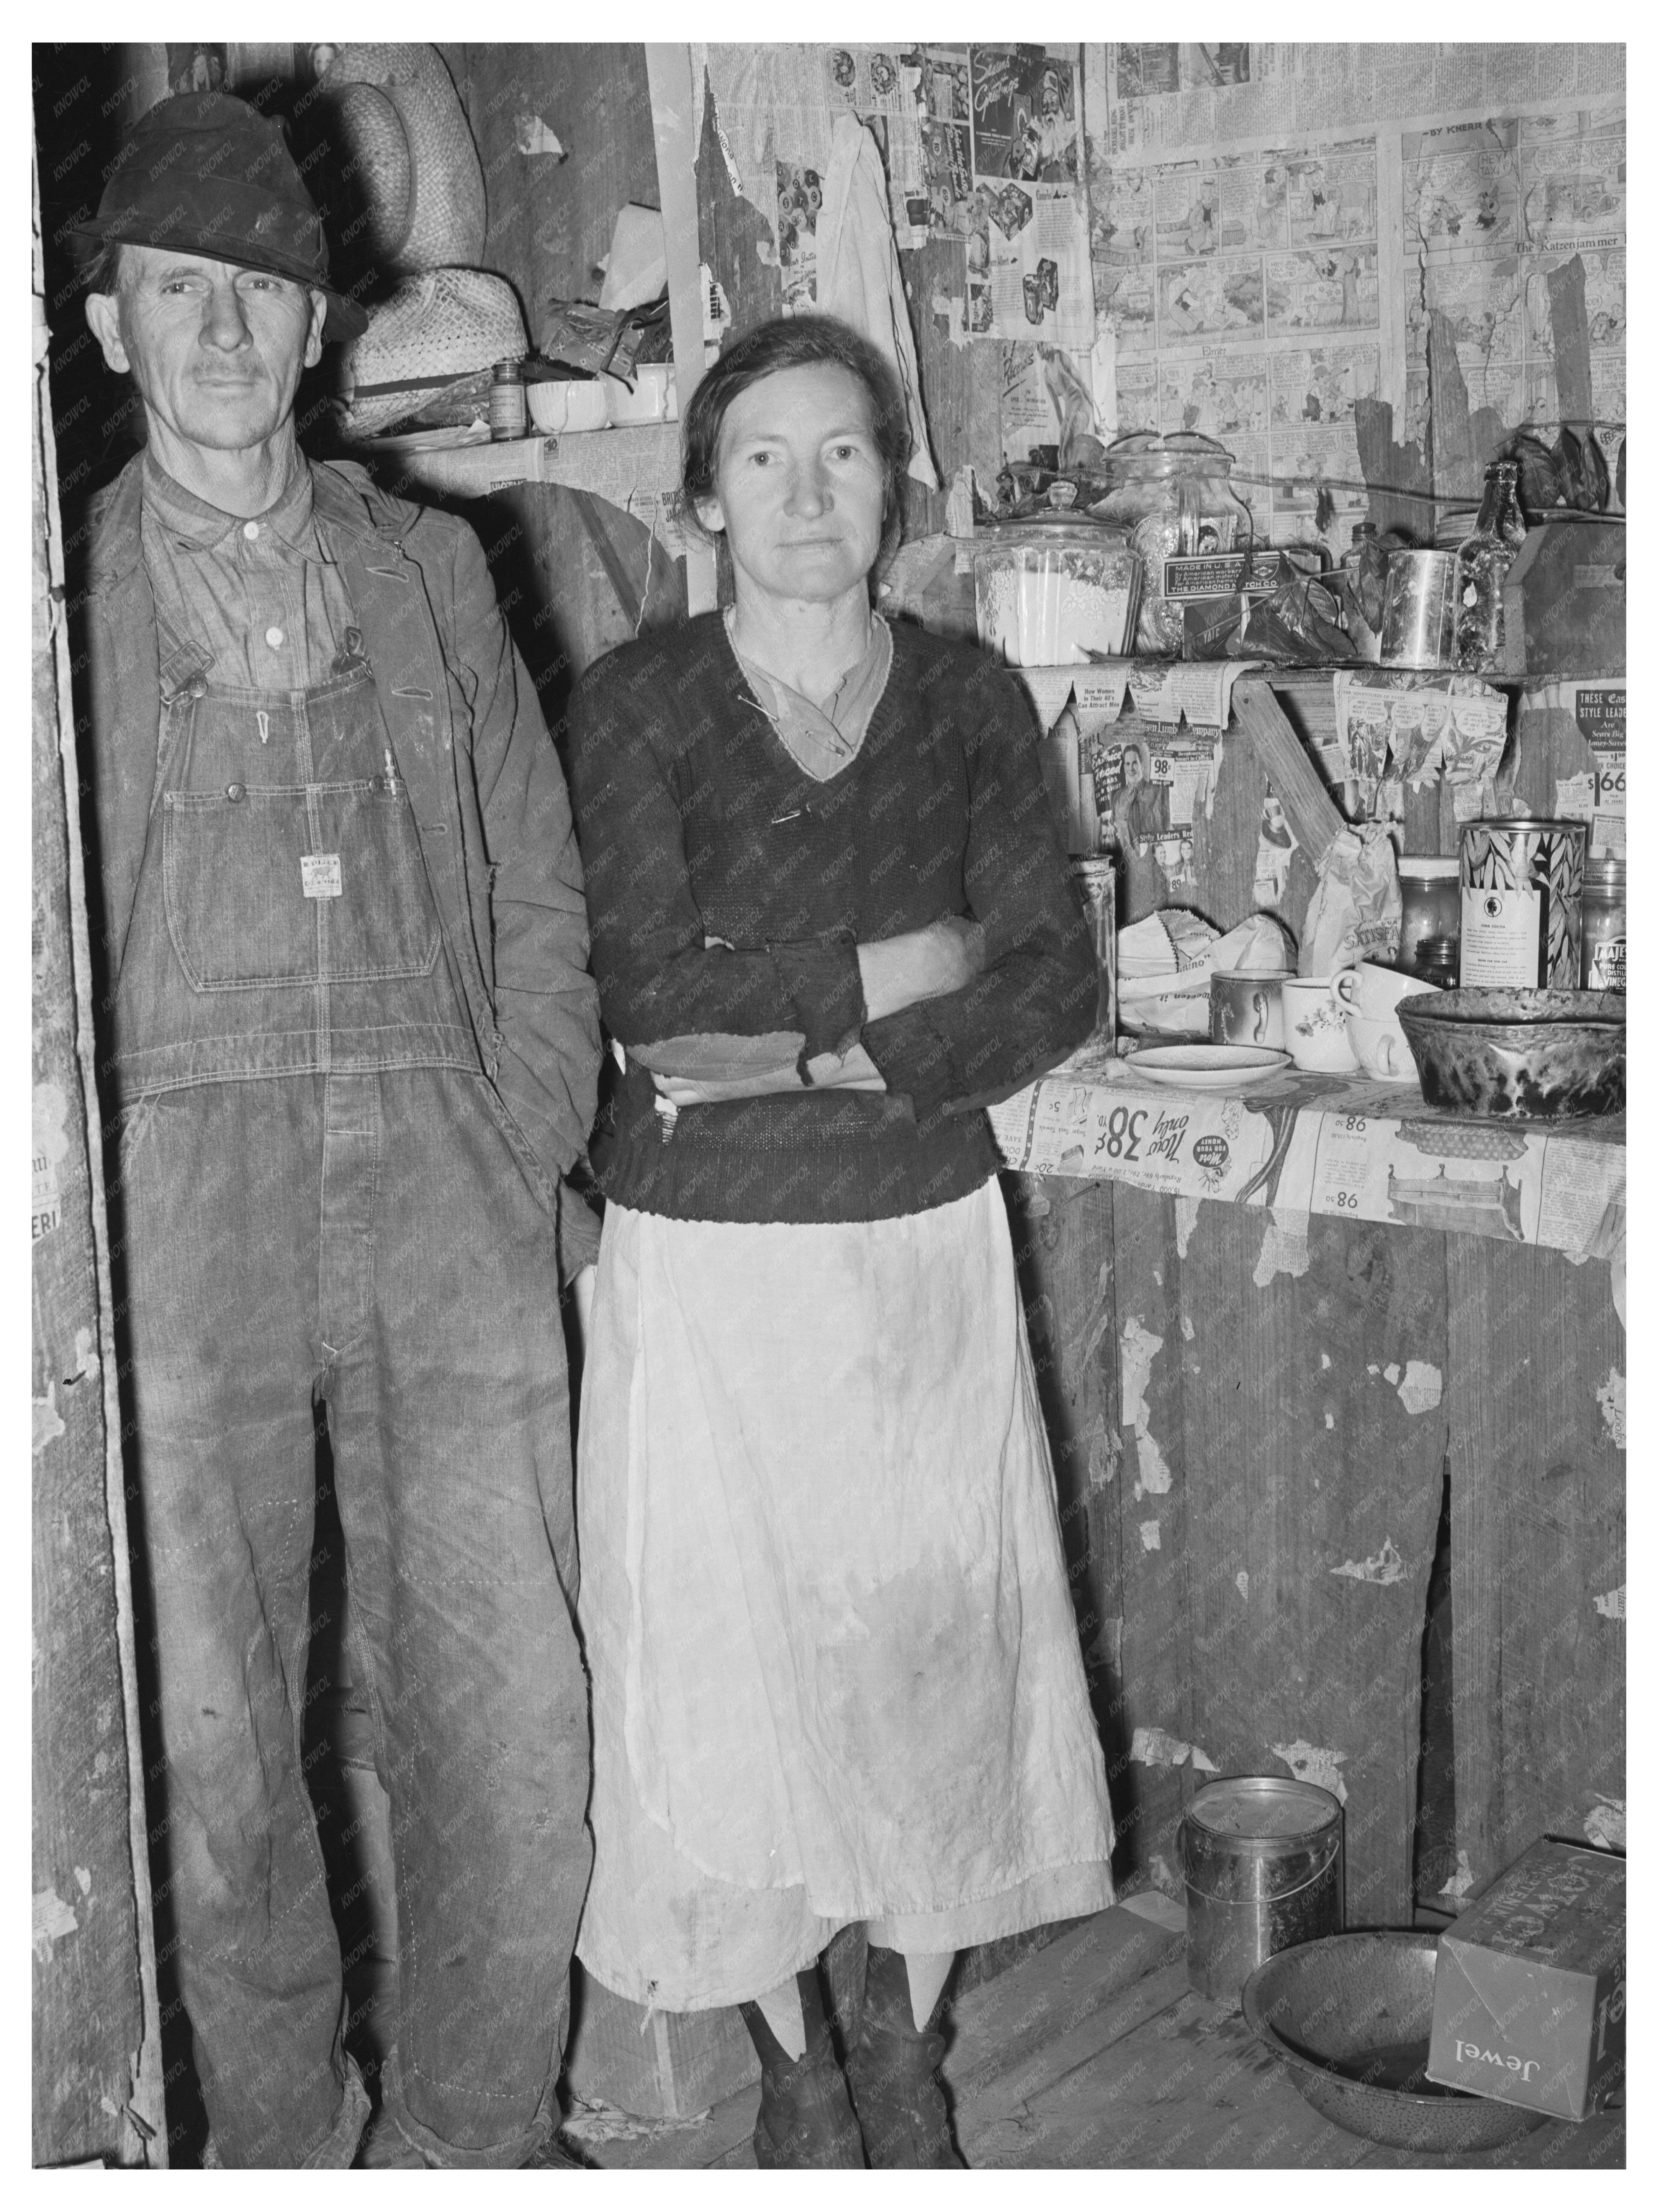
694	823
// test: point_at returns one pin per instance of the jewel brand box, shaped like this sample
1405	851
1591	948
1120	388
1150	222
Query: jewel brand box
1528	1987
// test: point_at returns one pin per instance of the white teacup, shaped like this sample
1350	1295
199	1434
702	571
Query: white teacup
1315	1026
1373	992
1382	1050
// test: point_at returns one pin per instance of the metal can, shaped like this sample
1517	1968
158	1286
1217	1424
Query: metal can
1522	894
1418	610
1264	1867
1098	881
1604	924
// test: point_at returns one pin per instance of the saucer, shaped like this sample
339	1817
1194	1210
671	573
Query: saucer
1206	1067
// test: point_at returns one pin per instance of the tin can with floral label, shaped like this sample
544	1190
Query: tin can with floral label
1522	900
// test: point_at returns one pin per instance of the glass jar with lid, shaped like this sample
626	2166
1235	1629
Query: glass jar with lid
1605	927
1431	902
1435	962
1053	588
1173	496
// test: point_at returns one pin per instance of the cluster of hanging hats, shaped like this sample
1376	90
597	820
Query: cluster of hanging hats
447	322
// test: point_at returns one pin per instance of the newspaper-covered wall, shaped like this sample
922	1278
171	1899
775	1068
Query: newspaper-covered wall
1271	225
1149	101
1242	239
1490	208
982	151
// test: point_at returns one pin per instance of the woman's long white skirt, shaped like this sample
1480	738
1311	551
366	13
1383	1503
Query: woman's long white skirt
835	1671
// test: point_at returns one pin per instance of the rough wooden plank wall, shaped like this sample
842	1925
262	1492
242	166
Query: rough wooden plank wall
1399	476
1200	1437
1313	1494
549	222
733	231
1252	1473
1535	1394
1568	336
94	2001
1152	1503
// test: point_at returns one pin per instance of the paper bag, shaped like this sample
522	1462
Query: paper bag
1354	912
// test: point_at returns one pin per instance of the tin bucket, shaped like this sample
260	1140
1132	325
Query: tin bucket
1418	610
1263	1866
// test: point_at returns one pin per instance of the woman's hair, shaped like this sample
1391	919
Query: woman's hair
808	341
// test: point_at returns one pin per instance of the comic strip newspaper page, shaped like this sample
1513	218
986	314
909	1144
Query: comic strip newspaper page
1244	293
1490	208
1244	261
1148	102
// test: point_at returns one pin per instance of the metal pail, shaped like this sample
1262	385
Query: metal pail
1263	1866
1418	610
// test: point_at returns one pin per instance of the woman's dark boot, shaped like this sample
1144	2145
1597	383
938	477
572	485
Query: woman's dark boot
805	2118
895	2086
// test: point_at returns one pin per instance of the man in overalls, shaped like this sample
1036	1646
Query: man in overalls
350	1046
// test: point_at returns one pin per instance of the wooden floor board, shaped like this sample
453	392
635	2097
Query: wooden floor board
1095	2053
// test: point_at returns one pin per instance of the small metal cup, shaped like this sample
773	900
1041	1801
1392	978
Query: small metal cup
1246	1007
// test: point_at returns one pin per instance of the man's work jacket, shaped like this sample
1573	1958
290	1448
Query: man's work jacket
488	793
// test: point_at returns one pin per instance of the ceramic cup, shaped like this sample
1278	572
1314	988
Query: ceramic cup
1382	1049
1245	1008
1372	992
1315	1026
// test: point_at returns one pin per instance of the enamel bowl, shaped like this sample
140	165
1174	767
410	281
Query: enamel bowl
1349	2017
1519	1055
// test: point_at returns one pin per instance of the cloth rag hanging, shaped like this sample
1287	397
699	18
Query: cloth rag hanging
859	278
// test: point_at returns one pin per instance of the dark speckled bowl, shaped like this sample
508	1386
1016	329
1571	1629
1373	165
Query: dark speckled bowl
1519	1055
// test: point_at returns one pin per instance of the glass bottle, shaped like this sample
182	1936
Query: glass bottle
507	400
1483	561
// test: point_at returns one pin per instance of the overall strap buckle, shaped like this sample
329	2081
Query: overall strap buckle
184	667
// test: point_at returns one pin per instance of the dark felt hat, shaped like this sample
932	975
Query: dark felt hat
206	173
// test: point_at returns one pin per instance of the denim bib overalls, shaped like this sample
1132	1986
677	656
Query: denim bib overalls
318	1202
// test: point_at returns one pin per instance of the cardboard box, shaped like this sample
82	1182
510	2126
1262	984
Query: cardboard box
1528	1987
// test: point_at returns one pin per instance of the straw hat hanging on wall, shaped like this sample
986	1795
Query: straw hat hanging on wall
403	127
